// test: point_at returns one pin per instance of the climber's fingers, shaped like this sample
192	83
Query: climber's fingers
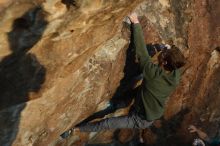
192	129
133	17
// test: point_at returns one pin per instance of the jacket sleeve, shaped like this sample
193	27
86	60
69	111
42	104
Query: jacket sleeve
149	69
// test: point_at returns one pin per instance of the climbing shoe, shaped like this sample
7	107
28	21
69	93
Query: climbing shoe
66	133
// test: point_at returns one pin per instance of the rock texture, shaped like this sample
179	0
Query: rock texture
61	61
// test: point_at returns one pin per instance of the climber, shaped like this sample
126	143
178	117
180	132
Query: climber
204	137
158	83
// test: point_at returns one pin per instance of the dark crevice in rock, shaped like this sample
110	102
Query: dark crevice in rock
124	93
70	3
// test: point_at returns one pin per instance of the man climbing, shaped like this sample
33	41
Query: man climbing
158	83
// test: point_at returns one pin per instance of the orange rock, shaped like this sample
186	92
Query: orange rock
58	62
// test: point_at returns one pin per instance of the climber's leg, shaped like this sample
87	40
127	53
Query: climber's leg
131	121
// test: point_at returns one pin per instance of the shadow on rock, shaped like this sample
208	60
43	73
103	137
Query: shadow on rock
20	72
166	135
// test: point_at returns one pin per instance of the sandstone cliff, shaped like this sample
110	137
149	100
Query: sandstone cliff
62	60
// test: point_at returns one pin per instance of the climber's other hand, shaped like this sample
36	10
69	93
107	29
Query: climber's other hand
192	129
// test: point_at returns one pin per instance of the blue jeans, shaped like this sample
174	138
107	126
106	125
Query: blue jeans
132	121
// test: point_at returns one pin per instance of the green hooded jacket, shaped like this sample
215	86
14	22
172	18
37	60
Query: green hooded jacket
157	84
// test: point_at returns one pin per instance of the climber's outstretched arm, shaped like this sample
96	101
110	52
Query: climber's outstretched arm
149	70
139	42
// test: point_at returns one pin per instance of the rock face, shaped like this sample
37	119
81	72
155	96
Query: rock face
62	60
